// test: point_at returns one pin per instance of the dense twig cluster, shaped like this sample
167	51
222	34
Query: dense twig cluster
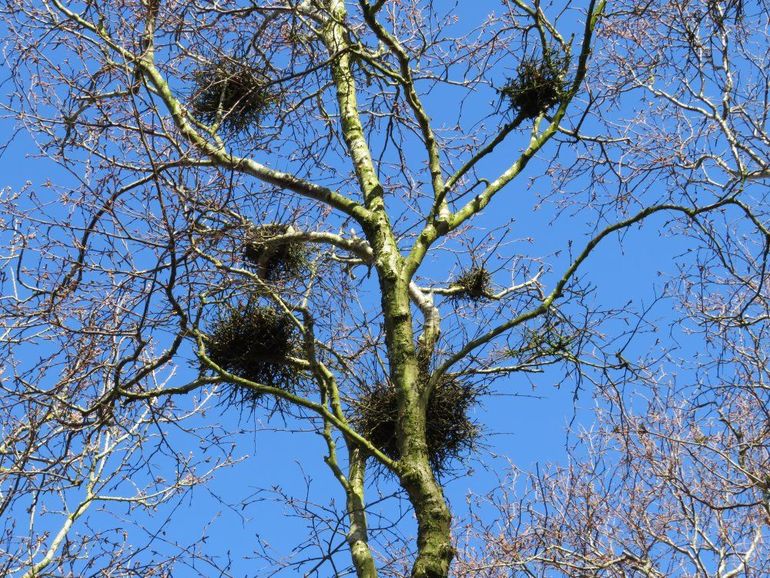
538	85
450	433
473	284
254	342
232	94
274	259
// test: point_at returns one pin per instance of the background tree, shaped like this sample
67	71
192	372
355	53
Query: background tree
261	205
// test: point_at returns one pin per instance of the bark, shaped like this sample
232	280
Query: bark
434	546
357	532
434	549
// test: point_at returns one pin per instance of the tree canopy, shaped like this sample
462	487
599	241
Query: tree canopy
365	222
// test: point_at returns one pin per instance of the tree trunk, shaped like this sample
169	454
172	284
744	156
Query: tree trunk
434	545
435	551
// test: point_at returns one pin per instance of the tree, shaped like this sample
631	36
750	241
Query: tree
259	203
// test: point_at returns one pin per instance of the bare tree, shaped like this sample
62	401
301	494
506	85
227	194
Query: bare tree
674	489
274	205
671	479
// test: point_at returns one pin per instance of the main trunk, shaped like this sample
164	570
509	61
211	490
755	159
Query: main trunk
434	547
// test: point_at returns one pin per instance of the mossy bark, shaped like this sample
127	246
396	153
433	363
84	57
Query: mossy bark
357	537
434	548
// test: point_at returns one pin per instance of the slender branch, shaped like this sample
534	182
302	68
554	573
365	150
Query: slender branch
217	153
558	289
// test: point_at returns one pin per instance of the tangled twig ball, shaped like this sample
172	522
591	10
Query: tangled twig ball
254	342
233	95
449	431
538	85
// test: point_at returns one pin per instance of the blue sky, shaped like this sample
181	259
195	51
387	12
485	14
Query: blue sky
528	427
